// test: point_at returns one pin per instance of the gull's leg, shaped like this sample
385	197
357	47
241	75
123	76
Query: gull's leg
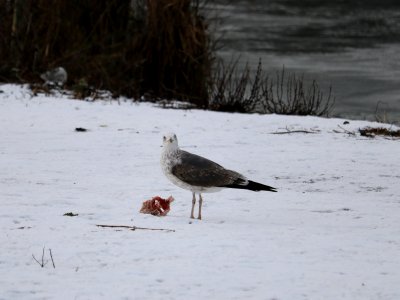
193	203
200	204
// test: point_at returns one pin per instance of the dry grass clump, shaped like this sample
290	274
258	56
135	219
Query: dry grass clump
176	51
379	131
258	92
158	47
229	89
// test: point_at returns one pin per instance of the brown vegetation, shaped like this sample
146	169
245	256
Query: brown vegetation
247	91
379	131
160	47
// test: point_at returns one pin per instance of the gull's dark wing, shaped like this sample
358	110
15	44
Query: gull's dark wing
199	171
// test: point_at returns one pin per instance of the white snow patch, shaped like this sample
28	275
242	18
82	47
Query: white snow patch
331	232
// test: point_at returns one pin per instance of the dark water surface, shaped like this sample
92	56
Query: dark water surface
354	46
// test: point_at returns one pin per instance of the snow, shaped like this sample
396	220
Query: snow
331	232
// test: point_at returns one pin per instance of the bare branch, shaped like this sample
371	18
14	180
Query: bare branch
288	131
247	91
37	260
52	260
346	131
41	263
133	228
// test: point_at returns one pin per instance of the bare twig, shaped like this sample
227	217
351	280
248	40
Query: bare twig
37	261
52	260
346	131
41	263
288	131
133	228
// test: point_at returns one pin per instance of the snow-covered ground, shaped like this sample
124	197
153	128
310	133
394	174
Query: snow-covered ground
331	232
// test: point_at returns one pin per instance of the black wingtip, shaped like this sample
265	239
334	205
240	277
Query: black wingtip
253	186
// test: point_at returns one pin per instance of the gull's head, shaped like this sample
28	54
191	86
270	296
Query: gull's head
170	141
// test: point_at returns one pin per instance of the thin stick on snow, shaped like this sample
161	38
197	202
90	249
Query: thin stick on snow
347	131
288	131
133	228
52	260
42	263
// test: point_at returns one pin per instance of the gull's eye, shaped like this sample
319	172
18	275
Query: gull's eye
164	138
175	136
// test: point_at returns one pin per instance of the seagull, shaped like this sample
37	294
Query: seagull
57	76
200	175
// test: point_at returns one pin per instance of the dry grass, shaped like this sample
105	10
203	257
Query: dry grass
228	89
291	95
258	92
176	52
379	131
159	47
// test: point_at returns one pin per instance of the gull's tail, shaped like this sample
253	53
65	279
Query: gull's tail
252	186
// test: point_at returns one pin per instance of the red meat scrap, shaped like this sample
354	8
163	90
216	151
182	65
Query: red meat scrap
157	206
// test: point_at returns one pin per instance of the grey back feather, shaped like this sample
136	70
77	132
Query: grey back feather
199	171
